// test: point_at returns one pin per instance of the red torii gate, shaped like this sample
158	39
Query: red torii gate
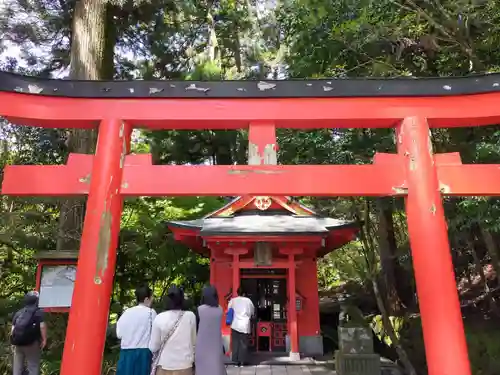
115	108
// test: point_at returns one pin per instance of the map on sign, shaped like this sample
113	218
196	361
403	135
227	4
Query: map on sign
56	286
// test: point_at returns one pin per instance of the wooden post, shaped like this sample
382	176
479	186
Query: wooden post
212	267
292	311
88	318
236	273
443	330
293	331
236	252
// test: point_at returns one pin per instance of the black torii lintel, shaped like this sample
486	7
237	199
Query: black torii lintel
320	88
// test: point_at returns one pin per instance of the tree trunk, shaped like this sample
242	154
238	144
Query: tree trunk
213	45
90	59
492	248
369	250
387	249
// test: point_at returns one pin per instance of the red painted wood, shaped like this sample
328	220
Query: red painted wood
292	312
212	271
469	179
301	113
445	345
306	279
276	264
58	180
49	180
481	179
240	240
262	276
262	134
314	180
143	179
236	206
176	180
236	273
97	256
291	251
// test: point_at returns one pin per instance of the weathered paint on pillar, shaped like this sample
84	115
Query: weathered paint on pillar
88	319
445	345
262	147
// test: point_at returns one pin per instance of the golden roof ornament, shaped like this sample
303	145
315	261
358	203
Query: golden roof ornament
263	203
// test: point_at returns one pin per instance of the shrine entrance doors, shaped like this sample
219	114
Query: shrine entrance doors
267	288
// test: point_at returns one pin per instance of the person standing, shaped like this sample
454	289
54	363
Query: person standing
243	311
28	336
209	355
134	330
173	338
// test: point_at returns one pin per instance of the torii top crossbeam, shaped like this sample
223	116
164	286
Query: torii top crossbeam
411	106
335	103
305	104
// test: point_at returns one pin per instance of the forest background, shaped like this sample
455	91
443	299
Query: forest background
257	40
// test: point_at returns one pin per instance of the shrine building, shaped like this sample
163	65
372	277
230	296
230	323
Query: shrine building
269	245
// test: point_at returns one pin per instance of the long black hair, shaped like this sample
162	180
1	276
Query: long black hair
209	296
174	299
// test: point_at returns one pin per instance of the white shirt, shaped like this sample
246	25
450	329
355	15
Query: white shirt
134	327
178	352
243	311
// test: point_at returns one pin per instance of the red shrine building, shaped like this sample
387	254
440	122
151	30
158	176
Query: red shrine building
269	246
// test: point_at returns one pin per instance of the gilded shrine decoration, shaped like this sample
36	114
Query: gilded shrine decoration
263	203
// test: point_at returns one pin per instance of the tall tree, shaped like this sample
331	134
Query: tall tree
89	61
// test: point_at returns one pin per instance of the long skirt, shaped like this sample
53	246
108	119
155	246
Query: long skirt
134	362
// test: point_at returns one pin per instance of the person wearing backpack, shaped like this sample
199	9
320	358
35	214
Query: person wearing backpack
28	336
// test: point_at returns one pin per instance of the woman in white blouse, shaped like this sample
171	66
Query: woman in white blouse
173	337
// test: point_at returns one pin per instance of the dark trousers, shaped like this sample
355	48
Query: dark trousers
239	343
31	354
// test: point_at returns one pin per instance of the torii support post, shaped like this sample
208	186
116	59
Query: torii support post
88	319
445	345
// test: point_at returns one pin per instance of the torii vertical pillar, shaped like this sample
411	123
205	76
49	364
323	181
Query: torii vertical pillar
442	325
88	319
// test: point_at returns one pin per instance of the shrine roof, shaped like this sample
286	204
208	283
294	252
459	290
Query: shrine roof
319	88
264	223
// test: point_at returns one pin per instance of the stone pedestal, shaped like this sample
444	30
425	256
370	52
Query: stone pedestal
355	355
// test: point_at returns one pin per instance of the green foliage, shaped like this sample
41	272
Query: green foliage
346	265
482	342
484	349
